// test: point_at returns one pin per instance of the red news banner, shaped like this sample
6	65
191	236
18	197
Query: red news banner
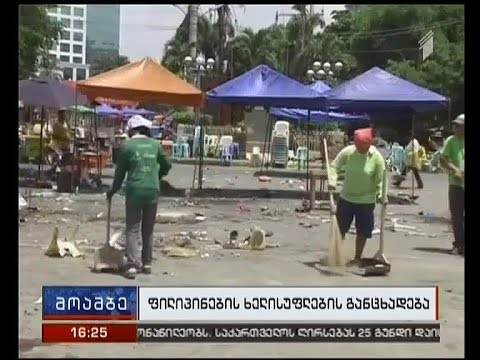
121	333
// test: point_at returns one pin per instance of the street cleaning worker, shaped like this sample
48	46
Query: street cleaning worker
142	159
453	159
362	166
415	157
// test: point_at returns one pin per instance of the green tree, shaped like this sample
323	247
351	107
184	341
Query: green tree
104	61
37	34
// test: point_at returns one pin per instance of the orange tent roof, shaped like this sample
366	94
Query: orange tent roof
103	100
142	81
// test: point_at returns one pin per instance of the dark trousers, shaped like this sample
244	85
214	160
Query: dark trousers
456	200
140	221
416	174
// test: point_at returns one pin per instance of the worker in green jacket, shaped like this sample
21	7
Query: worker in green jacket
140	158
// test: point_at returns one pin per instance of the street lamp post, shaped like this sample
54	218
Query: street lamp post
198	69
325	72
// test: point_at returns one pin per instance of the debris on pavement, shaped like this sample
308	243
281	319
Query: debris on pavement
307	225
304	207
22	204
264	178
243	208
38	301
180	252
58	248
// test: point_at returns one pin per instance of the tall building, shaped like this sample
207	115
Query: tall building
70	50
103	30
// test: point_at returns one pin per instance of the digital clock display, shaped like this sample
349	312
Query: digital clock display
74	333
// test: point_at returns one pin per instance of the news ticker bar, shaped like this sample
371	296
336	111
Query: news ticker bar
158	333
239	304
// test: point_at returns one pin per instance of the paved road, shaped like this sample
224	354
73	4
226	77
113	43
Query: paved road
415	261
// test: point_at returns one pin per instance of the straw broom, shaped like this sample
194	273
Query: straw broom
335	250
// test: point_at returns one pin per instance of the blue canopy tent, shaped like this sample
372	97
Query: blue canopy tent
263	86
106	110
316	116
377	90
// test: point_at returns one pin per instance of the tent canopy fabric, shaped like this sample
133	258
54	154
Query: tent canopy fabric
315	116
263	86
49	93
143	81
319	86
378	90
134	111
106	110
82	109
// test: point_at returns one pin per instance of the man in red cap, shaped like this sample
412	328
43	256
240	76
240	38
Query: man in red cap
362	165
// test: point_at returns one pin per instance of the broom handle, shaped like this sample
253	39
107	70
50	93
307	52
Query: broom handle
327	165
383	210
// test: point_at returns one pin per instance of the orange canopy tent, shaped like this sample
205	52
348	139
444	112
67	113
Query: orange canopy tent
142	81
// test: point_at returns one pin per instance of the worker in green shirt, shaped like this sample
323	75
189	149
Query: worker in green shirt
142	159
453	159
362	165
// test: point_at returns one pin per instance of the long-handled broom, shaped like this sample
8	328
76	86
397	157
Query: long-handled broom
335	251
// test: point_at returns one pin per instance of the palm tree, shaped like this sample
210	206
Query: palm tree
300	33
250	48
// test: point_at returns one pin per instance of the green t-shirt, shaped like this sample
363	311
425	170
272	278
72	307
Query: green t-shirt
142	159
454	151
363	174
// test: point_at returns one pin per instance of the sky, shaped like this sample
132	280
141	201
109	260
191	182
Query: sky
144	29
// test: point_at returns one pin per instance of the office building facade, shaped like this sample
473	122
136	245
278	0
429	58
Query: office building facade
70	50
103	31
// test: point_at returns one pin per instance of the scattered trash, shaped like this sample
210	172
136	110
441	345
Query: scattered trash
307	225
63	220
325	221
243	208
179	217
206	255
214	247
67	209
264	178
99	215
271	246
305	207
58	248
200	218
82	242
22	204
180	252
38	301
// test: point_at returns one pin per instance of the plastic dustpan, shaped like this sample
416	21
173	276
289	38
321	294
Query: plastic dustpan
371	267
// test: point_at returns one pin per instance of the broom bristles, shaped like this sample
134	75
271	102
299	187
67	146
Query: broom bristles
335	251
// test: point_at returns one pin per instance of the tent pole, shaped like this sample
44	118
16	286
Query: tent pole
308	149
265	141
97	143
74	150
40	162
413	156
270	130
200	157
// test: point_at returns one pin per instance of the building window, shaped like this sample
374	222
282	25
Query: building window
77	49
67	73
78	24
65	48
65	10
77	60
65	58
81	74
66	22
77	11
65	35
77	36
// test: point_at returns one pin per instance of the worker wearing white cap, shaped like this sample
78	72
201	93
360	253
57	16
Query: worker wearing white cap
453	159
142	160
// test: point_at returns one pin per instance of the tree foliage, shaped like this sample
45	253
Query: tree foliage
37	34
376	35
